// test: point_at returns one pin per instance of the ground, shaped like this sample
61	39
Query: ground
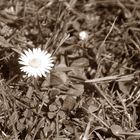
93	90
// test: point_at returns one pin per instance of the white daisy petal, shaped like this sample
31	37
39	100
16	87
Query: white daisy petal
43	72
26	52
48	55
23	62
36	62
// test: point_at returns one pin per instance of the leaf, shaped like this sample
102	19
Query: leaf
46	82
52	107
77	74
76	90
93	108
61	138
57	78
51	115
62	114
14	117
81	62
4	42
69	103
124	87
116	130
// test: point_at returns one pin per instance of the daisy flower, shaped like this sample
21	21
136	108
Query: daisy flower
36	62
83	35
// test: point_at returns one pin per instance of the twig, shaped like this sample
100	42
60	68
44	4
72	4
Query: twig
128	77
66	36
102	94
99	119
125	109
134	99
85	137
136	45
102	44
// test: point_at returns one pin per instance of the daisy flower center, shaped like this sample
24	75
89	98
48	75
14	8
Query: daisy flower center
35	62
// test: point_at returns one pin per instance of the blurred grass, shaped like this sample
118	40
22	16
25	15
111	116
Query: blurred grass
93	90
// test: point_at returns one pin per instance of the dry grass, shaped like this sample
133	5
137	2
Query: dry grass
93	91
